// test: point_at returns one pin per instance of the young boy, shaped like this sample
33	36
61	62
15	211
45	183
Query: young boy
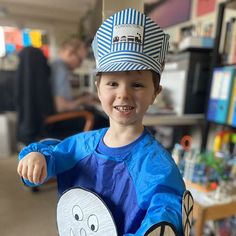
128	169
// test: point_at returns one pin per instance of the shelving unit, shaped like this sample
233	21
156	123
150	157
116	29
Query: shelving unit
174	120
231	4
222	210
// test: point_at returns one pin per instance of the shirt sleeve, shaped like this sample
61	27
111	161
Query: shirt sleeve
45	148
60	81
165	207
60	155
160	188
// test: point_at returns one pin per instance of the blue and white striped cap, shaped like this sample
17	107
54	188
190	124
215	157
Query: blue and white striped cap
129	40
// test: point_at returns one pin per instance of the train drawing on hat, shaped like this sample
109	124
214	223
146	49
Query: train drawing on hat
128	38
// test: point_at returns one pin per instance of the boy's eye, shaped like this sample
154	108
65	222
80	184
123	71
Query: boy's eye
113	84
137	85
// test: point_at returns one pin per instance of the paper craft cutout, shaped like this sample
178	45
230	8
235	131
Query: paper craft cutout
163	229
187	212
83	213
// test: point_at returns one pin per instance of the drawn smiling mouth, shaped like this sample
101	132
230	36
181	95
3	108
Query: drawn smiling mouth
124	108
81	233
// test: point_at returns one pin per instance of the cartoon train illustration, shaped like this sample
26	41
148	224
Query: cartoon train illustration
128	38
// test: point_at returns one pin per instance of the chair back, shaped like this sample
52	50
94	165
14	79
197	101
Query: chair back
34	100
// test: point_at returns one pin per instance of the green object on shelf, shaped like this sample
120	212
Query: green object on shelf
233	138
218	164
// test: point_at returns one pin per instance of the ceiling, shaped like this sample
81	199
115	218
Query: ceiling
50	10
64	14
70	11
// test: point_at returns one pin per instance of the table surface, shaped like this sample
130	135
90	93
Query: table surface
207	208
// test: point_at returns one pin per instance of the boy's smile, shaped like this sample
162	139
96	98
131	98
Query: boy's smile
124	108
125	96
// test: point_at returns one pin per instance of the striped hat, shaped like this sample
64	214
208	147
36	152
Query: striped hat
129	40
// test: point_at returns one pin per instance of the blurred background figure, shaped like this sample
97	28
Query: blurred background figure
43	89
71	54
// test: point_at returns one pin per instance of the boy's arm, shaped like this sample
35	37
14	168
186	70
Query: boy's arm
163	217
36	162
57	155
160	189
169	228
165	209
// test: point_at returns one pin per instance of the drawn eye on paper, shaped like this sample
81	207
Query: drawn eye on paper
81	212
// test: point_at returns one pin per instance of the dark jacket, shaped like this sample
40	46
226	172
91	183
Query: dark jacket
34	95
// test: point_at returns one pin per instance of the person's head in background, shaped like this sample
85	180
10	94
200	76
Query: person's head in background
73	51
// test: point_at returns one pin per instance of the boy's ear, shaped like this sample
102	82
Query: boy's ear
156	93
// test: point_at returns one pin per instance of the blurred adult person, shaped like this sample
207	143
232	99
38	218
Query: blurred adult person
71	54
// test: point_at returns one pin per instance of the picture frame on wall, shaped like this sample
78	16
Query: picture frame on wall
205	7
164	12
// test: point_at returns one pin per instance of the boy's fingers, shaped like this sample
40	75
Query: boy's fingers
36	174
19	168
24	171
39	174
43	174
30	173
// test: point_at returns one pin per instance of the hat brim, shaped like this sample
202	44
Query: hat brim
123	66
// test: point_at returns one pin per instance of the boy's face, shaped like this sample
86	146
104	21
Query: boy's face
125	96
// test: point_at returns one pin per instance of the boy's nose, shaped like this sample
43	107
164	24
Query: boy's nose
124	92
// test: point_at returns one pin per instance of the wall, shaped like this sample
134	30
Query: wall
59	19
112	6
201	21
56	30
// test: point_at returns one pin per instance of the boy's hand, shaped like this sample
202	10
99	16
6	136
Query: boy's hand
33	167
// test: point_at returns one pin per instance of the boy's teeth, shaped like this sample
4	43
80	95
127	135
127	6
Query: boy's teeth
123	108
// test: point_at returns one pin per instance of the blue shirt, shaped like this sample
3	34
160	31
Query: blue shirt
139	182
60	73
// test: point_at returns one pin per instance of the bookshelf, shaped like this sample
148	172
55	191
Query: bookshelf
228	39
198	25
217	58
174	120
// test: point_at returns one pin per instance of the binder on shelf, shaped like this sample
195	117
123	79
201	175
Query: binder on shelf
215	93
225	94
220	96
234	115
232	106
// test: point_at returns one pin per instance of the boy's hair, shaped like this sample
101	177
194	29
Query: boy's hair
155	78
130	40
